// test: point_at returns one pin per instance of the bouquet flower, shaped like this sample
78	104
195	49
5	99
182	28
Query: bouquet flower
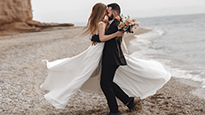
127	25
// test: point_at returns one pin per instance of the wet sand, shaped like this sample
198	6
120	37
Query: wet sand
22	72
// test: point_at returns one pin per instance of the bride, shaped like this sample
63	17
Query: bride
139	78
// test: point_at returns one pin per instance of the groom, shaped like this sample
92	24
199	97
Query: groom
112	58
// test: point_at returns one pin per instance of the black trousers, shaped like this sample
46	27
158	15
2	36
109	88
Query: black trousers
111	89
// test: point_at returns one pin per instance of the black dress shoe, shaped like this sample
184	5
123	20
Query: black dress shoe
118	113
134	105
131	104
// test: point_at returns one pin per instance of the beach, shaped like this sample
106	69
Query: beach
22	72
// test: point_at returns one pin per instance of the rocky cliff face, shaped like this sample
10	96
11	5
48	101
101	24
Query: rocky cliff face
16	17
15	11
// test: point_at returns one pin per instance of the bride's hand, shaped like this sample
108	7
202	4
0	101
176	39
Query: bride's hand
120	33
94	43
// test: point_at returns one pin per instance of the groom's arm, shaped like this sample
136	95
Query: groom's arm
95	38
112	29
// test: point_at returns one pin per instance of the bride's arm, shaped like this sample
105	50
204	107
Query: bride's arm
103	37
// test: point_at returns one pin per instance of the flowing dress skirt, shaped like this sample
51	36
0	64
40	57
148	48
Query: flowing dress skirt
139	77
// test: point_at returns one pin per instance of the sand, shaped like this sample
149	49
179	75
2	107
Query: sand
22	72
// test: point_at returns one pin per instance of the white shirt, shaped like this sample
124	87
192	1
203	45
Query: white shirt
111	21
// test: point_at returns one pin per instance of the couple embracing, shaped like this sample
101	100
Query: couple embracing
119	76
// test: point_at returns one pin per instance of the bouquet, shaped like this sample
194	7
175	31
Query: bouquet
127	25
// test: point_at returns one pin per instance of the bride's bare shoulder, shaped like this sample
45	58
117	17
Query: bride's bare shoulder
101	22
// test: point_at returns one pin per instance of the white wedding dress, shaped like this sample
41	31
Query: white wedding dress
140	78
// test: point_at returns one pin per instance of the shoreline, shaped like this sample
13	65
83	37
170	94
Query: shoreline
188	81
22	73
180	73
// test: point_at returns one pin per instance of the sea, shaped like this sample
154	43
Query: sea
178	42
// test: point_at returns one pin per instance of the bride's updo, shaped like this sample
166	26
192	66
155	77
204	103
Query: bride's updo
98	13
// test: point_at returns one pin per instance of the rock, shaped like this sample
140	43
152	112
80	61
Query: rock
19	27
15	11
16	17
43	25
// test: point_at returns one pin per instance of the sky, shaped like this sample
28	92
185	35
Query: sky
76	11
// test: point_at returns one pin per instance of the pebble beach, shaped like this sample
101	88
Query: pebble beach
22	72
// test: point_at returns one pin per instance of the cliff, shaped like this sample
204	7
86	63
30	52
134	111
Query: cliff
15	11
16	17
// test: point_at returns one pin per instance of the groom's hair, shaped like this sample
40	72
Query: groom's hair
115	7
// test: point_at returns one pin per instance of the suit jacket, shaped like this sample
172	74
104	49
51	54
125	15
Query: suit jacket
112	52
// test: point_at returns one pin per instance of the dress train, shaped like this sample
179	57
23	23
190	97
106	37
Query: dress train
139	77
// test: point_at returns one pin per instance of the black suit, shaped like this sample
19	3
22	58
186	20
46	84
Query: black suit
112	52
112	58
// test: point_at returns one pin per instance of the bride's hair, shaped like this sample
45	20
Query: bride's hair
96	16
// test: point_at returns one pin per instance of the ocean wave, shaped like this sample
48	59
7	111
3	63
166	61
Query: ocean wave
151	34
143	41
